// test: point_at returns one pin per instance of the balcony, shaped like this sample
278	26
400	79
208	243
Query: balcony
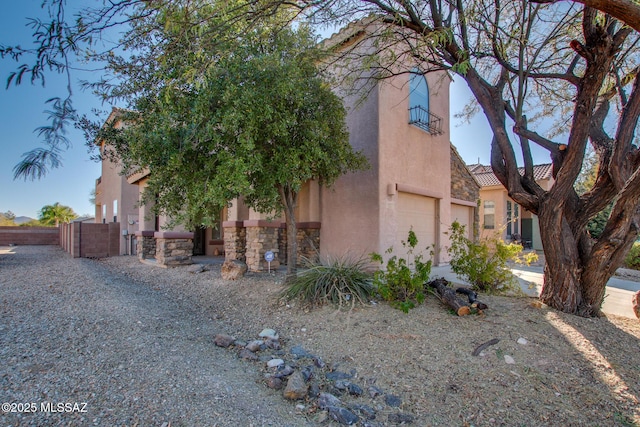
426	121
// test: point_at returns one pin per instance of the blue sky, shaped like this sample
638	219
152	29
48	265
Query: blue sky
22	111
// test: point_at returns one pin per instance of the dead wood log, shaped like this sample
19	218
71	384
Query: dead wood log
473	298
448	296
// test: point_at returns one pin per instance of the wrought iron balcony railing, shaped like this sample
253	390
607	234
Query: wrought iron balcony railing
425	120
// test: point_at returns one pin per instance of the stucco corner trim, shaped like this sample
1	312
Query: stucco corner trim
464	203
173	235
405	188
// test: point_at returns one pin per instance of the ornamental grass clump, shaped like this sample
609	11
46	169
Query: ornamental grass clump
342	281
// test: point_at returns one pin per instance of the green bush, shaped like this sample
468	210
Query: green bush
632	260
402	282
341	281
484	263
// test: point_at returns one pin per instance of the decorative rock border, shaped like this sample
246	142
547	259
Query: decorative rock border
303	376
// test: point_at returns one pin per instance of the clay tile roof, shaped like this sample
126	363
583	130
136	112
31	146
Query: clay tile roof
485	176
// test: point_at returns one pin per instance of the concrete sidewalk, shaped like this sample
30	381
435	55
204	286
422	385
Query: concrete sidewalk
618	294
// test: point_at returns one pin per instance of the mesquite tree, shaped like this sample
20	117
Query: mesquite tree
522	60
563	60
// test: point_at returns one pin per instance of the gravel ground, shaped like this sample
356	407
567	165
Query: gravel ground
135	342
119	352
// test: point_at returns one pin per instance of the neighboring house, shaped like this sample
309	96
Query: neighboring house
417	181
499	215
116	199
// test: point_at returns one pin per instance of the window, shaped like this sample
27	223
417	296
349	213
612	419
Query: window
418	91
419	113
489	215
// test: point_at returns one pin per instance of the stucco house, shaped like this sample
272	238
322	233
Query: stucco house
116	199
500	215
416	181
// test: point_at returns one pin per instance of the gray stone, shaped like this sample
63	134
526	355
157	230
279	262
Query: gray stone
233	269
284	371
269	334
247	355
314	390
296	388
343	415
375	391
327	400
307	372
223	340
274	363
275	383
366	411
392	400
273	344
254	346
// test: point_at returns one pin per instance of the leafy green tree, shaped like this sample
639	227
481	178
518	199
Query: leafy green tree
55	214
7	218
217	117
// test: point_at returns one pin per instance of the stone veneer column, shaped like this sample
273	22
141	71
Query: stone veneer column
308	242
145	244
173	248
308	236
262	236
235	240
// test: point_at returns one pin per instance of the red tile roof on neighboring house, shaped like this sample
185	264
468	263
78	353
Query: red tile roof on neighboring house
485	176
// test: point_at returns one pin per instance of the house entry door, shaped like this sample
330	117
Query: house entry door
199	241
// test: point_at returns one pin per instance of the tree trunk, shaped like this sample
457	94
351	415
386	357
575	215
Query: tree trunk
289	201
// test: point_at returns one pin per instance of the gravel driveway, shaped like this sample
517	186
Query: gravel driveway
82	344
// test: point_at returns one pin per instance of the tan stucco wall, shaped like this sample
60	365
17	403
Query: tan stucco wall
115	188
349	210
360	214
410	156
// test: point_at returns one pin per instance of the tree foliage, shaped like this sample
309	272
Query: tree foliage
55	214
532	59
217	114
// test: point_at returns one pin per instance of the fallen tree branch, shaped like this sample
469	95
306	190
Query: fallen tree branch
481	347
448	296
473	298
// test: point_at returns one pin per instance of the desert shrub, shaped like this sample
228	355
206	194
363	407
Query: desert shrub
632	260
402	281
340	281
484	263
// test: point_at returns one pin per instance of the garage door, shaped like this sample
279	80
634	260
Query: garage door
418	213
464	215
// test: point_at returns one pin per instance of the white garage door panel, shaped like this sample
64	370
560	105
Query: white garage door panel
462	214
418	213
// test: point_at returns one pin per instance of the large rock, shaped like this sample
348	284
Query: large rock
296	387
636	304
232	269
